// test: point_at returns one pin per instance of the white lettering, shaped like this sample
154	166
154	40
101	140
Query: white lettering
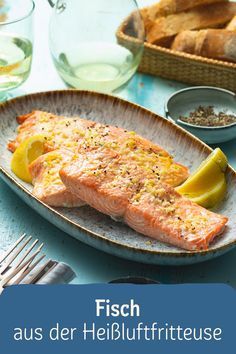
115	310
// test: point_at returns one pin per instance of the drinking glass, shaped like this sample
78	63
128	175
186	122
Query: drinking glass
16	36
84	44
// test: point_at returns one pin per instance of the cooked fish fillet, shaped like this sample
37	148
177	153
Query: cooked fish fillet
60	131
48	186
105	181
82	135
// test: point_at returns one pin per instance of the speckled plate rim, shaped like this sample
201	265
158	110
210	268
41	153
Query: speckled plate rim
6	176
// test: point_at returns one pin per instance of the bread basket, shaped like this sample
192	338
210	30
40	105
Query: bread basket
179	66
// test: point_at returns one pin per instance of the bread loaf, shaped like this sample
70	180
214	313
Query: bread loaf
216	44
185	42
168	7
163	30
211	43
232	25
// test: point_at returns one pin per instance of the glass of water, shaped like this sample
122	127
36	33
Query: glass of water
85	47
16	36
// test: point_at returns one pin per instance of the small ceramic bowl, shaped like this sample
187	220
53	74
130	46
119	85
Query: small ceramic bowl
182	102
134	280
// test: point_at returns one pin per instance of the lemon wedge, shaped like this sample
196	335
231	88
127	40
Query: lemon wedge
207	186
29	150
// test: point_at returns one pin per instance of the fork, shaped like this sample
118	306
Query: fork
18	262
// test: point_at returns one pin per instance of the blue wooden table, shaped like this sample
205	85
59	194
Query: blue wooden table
91	265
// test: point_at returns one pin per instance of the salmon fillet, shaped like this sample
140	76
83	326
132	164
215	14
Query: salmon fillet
82	135
124	191
48	186
60	131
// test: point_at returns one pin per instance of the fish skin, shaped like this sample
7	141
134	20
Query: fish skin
105	181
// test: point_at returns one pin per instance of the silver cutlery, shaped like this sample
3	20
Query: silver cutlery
21	263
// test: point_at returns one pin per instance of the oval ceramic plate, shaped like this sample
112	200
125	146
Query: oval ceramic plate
92	227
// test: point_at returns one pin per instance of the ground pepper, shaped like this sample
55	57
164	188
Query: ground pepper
206	116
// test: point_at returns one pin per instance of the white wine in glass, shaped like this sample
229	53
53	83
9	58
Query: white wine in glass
84	44
15	44
112	67
15	61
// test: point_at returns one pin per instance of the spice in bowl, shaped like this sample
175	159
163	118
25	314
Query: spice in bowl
206	116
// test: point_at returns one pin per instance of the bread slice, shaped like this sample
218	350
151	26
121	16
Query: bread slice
164	29
168	7
232	25
185	42
217	44
211	43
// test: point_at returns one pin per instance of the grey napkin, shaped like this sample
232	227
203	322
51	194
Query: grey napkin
61	273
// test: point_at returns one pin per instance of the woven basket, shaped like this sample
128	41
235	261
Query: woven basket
180	66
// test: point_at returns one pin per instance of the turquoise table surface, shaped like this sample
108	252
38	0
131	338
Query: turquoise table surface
91	265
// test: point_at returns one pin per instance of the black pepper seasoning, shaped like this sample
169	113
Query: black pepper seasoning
206	116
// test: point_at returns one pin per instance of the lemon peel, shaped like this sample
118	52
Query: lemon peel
207	185
29	150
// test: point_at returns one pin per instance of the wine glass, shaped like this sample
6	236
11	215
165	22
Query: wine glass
15	43
85	47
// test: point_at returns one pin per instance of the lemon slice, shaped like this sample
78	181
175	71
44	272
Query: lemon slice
207	186
29	150
213	196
